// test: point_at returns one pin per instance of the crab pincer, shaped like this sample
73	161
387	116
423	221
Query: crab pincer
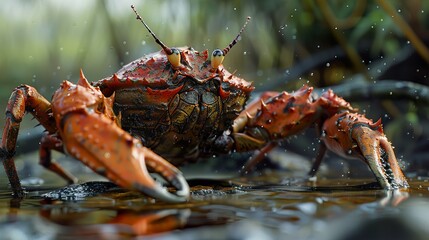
90	133
352	135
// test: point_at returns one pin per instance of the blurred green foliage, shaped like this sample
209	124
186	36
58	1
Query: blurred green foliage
45	42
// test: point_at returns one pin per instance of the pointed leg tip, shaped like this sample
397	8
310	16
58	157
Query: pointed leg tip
81	73
160	193
20	194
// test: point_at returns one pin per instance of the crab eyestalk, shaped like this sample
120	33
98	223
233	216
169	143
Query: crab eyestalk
217	58
174	57
173	54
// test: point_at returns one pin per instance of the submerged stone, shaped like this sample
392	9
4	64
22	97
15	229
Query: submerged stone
80	191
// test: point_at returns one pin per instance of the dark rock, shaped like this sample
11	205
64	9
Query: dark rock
81	191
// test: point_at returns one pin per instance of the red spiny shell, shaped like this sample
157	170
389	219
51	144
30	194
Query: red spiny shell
177	112
286	113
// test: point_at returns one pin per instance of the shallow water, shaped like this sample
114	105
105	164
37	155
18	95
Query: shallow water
267	207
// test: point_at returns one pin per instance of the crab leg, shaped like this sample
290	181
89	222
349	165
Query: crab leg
257	157
23	98
318	160
47	144
346	133
353	135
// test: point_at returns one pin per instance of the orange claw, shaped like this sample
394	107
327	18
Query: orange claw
353	135
90	133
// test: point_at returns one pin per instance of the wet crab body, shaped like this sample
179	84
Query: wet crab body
177	112
177	105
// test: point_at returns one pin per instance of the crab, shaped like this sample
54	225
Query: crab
178	105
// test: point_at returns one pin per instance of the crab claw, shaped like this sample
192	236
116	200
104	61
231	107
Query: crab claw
91	135
378	153
115	154
352	135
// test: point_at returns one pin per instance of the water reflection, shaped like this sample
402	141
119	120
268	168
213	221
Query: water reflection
121	222
295	210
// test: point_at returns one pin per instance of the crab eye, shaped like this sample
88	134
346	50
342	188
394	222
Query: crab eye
174	57
217	58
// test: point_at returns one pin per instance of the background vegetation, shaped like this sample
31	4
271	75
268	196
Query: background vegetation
288	43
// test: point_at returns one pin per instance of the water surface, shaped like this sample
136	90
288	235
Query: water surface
270	207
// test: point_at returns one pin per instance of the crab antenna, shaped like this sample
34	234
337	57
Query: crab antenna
236	39
166	49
